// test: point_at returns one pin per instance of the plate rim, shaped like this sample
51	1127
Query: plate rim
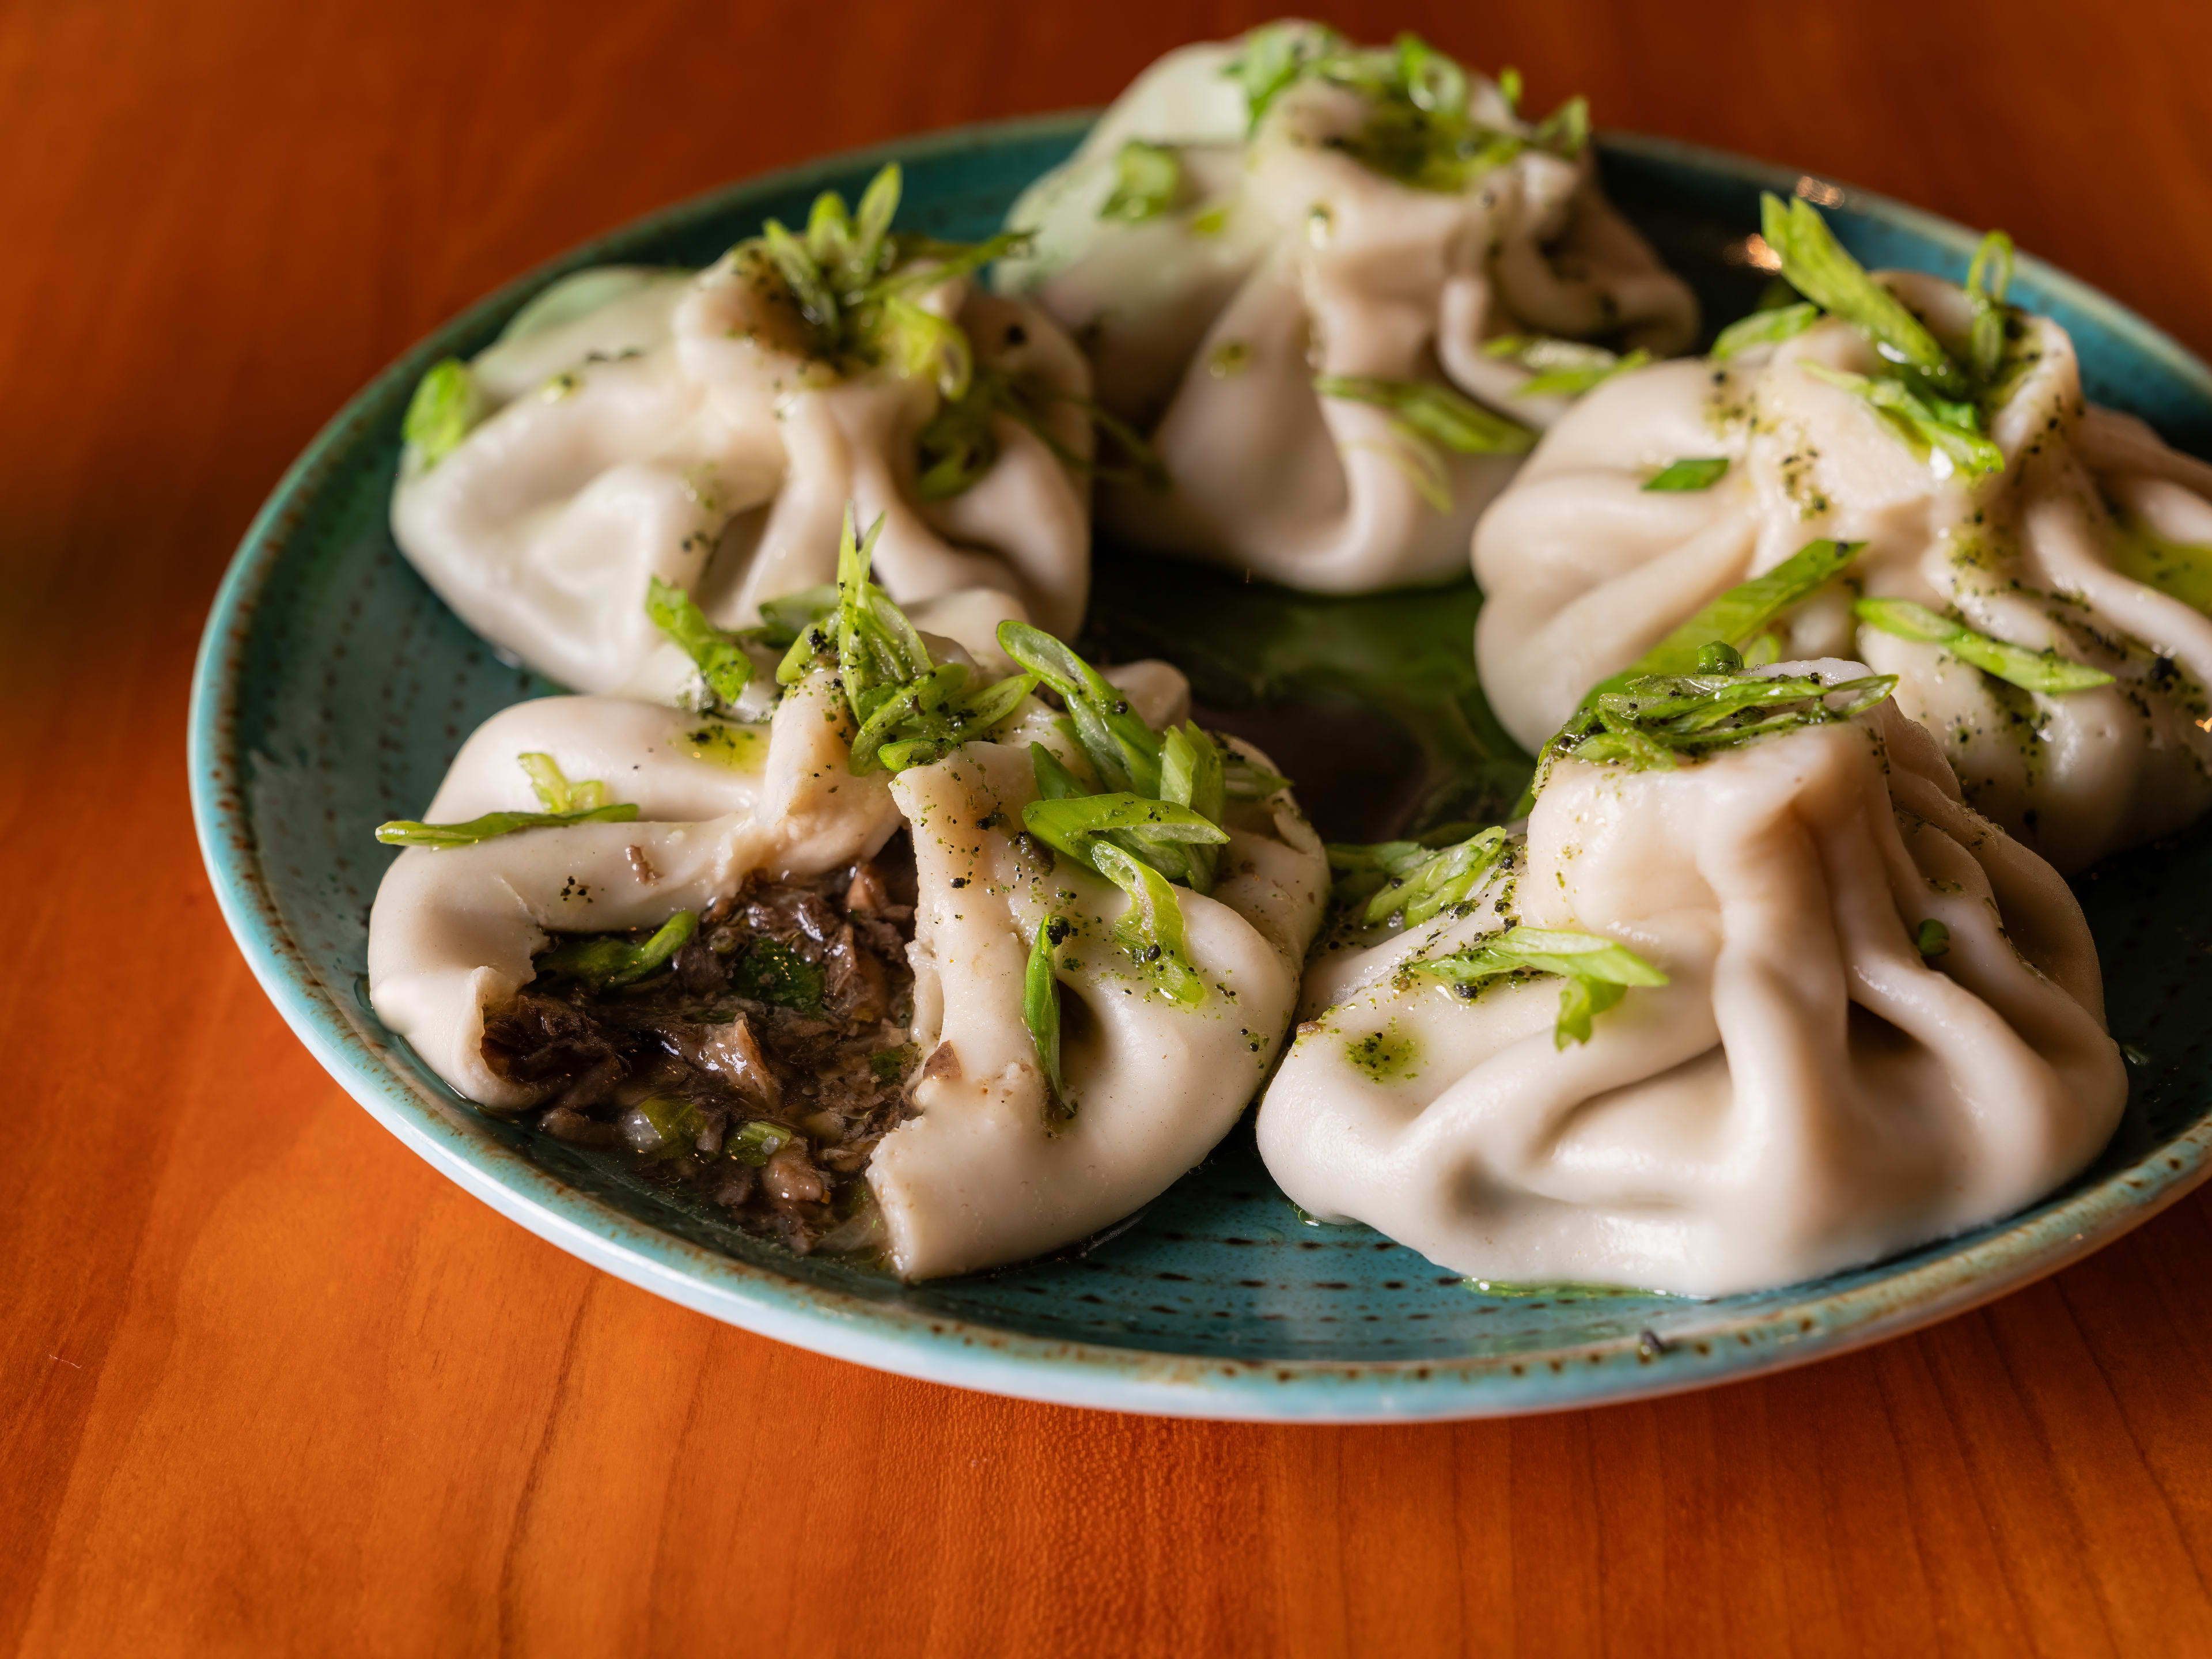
970	1354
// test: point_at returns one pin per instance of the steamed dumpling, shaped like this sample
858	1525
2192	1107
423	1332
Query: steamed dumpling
919	1080
1881	1022
2087	549
700	429
1379	222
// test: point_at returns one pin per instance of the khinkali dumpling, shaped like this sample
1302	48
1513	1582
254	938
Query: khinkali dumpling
869	1005
1327	280
1733	1012
2058	544
709	430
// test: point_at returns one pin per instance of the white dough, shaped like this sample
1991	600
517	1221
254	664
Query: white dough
1805	1094
1287	258
1582	570
671	425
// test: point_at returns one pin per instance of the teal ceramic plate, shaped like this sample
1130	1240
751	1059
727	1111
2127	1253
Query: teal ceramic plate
332	689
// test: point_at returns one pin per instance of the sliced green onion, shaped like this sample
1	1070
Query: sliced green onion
1817	266
1565	131
1987	279
1931	938
445	406
1434	411
721	659
1656	721
553	789
1766	328
607	963
1150	930
757	1141
1562	368
2033	671
1951	430
678	1121
1078	825
785	619
1114	739
1598	972
1741	615
1700	473
1413	881
1041	1013
409	832
1146	179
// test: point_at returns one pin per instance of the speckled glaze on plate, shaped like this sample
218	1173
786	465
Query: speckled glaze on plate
332	689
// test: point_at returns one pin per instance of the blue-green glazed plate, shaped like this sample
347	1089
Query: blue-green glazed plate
332	689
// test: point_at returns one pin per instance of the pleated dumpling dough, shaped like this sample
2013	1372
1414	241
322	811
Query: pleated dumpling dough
1807	1091
1371	220
2090	542
707	431
989	1166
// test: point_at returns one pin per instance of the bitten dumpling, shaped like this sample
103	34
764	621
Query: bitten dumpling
2033	568
953	976
1760	1009
1340	288
709	430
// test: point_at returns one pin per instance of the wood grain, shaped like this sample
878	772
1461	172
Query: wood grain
267	1384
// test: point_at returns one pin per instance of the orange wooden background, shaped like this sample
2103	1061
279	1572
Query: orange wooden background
267	1383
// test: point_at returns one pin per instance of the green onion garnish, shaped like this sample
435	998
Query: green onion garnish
444	408
1598	972
1435	411
1929	425
1041	1013
554	790
2033	671
409	832
1561	367
1146	179
604	965
757	1141
721	659
910	712
1766	328
1699	473
1403	878
1815	263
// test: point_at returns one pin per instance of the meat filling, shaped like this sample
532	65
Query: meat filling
759	1065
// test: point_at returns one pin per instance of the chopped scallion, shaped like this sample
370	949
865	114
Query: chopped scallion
1598	972
409	832
1146	179
446	405
721	659
607	963
1689	474
1435	411
2033	671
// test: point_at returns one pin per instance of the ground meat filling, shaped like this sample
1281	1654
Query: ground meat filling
760	1066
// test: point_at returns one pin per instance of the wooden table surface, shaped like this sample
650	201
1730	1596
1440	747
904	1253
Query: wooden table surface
267	1383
